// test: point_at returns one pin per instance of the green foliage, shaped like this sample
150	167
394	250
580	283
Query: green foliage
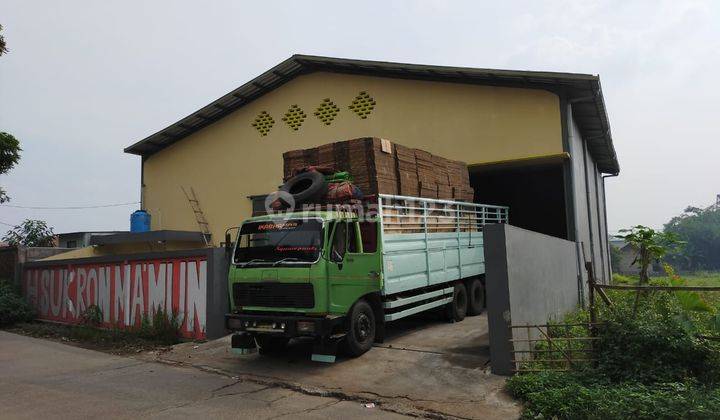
9	152
92	316
700	229
581	395
31	233
657	344
9	147
651	245
162	326
651	364
159	329
622	279
13	308
3	45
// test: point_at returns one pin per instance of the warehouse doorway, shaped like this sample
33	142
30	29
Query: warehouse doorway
535	194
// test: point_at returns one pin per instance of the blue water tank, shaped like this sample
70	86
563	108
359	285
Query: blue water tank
140	221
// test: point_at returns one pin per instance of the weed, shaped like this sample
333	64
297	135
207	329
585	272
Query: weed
13	307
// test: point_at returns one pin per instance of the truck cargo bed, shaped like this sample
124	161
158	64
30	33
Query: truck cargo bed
429	242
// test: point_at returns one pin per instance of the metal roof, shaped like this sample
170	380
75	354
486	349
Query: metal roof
582	90
150	236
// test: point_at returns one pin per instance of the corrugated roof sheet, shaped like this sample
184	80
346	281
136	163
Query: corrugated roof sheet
582	90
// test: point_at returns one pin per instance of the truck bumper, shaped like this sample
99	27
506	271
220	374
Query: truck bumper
283	325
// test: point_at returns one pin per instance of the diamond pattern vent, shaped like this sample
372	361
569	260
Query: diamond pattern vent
294	117
327	111
363	105
263	123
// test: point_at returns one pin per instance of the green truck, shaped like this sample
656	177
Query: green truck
337	276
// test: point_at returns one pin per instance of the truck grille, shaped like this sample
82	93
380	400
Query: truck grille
274	295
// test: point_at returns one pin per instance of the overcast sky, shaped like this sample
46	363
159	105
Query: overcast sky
84	79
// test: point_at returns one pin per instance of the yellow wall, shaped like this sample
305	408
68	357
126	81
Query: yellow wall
229	160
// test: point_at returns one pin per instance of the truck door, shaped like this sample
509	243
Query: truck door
353	271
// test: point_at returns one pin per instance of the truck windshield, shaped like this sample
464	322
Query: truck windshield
279	242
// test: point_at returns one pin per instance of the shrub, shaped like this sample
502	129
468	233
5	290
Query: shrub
92	316
622	279
13	307
573	395
650	365
651	350
163	327
658	343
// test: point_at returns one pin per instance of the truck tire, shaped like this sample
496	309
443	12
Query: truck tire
361	331
269	344
476	296
305	186
457	309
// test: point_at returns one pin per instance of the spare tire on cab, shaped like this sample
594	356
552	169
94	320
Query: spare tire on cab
306	187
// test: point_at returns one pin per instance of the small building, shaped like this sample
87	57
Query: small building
81	239
538	142
626	254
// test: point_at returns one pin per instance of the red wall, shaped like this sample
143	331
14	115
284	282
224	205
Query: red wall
124	291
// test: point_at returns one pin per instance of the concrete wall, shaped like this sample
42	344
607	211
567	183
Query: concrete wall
230	160
11	258
589	203
530	279
192	283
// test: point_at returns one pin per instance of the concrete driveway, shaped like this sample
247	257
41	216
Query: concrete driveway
45	379
426	366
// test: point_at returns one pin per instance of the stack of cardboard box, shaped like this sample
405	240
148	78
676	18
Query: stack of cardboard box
408	183
444	190
372	165
426	174
380	167
459	179
292	161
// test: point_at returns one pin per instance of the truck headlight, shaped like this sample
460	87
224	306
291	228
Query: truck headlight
306	326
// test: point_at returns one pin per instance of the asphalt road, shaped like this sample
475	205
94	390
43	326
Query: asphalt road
45	379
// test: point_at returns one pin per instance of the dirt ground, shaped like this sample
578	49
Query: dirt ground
107	341
426	366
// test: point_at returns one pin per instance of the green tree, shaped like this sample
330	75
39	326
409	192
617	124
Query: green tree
31	233
9	157
651	246
3	46
700	229
9	146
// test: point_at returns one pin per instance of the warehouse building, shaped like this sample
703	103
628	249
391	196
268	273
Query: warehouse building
538	142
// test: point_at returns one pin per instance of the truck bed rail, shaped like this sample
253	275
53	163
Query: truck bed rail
414	214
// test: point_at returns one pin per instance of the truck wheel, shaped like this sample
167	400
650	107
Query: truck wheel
270	344
361	334
476	297
457	309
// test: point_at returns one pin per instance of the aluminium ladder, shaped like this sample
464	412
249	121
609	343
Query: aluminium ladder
199	215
